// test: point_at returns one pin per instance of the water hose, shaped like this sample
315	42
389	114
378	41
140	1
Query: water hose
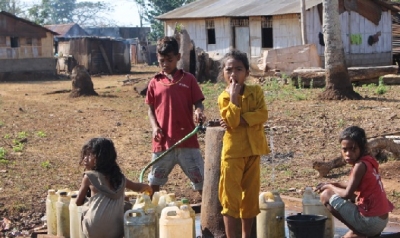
196	129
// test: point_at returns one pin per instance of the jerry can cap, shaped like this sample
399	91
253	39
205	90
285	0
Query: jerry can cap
185	201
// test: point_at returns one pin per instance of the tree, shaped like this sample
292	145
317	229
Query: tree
153	8
11	6
68	11
338	84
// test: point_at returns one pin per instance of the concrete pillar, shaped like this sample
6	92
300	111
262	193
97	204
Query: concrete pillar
212	224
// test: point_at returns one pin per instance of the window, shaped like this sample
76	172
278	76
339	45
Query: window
266	33
211	39
14	42
238	22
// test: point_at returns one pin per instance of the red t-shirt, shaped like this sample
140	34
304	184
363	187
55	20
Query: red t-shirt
173	105
371	197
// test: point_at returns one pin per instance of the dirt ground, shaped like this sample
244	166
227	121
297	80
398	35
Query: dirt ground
42	131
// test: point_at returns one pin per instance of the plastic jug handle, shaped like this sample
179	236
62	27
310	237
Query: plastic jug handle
130	212
166	210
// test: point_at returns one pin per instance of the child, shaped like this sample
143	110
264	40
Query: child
171	95
104	212
243	111
368	216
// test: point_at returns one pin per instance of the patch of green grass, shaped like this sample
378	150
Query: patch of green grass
22	135
18	147
1	123
41	134
3	153
299	96
19	207
46	164
396	194
4	161
341	123
381	89
7	136
300	83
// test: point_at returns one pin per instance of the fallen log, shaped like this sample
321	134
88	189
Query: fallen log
379	147
362	75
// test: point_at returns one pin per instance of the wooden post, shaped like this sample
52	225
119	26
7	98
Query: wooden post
303	22
212	224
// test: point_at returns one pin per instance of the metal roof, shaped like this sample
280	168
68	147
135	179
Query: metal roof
64	30
26	21
235	8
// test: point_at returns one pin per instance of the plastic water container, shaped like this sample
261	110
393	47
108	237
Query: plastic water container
143	201
185	201
313	206
156	198
62	208
176	222
140	224
306	226
73	218
161	205
270	221
51	214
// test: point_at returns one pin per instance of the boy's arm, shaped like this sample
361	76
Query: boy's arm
80	199
260	115
199	111
138	187
157	132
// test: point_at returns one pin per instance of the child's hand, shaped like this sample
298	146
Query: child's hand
234	88
157	134
320	187
223	124
199	116
145	188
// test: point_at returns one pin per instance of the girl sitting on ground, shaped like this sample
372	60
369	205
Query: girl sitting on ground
104	211
361	203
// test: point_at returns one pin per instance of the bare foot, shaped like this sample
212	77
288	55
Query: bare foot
351	234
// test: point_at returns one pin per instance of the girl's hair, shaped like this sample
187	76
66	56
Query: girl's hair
167	45
357	135
106	159
233	54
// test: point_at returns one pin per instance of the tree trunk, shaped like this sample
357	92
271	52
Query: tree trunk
338	85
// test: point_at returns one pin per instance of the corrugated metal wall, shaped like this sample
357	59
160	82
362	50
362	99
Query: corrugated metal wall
87	52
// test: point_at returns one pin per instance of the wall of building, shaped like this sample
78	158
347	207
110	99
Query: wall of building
286	30
358	53
198	33
287	33
27	47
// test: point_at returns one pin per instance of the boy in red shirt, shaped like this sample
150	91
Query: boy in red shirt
171	95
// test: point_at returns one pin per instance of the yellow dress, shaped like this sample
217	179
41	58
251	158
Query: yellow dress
242	147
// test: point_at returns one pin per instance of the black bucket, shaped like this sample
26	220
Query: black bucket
306	226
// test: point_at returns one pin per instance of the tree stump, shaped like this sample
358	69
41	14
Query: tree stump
82	84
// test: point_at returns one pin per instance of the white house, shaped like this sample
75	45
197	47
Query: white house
254	26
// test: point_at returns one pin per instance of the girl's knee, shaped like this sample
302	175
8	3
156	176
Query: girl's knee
326	195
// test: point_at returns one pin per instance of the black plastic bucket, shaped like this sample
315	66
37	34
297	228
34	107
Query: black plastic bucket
306	226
